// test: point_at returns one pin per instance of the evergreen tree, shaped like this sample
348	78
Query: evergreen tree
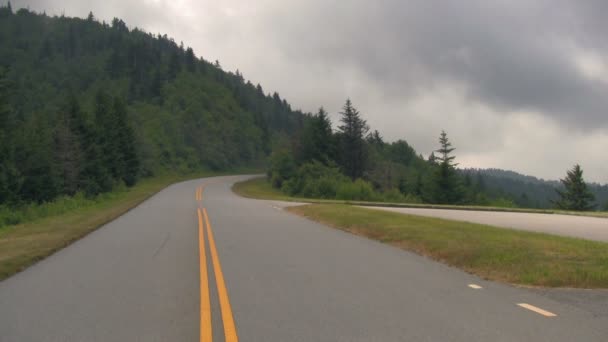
432	159
99	147
40	181
190	60
352	133
317	139
374	138
126	162
68	153
447	184
576	196
6	11
175	64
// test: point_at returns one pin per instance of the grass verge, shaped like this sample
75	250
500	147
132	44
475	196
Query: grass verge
23	244
260	188
505	255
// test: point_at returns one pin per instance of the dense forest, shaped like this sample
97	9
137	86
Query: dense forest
87	106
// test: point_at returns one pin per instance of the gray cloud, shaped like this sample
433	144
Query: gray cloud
517	84
514	57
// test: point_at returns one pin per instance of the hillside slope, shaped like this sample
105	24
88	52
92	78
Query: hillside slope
70	86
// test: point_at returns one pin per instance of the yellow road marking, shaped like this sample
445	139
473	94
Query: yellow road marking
205	333
537	310
227	317
199	193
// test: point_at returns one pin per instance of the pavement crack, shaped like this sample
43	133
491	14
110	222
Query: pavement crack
162	244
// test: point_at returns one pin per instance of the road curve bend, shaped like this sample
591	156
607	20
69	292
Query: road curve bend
268	276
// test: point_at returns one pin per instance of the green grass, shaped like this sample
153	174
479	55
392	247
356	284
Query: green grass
505	255
260	188
46	228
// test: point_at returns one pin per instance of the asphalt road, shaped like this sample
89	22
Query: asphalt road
286	279
590	228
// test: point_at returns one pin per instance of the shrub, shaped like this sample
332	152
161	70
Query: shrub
282	168
358	190
394	196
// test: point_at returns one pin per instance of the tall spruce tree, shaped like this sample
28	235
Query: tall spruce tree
352	134
317	139
448	189
126	162
575	196
190	60
68	137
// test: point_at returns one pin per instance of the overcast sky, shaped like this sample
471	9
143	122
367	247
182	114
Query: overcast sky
520	85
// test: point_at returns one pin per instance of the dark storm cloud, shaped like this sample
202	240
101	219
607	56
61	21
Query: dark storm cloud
509	54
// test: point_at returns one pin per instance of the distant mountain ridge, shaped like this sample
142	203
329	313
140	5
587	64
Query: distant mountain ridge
528	191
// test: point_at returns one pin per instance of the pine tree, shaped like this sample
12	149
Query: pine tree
448	189
175	64
445	150
126	162
375	138
35	143
98	146
576	196
317	139
190	60
68	152
352	132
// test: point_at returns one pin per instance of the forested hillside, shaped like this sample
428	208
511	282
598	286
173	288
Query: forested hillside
528	191
87	105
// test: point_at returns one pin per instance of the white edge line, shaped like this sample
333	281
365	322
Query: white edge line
537	310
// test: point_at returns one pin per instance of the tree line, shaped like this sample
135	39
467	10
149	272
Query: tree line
353	163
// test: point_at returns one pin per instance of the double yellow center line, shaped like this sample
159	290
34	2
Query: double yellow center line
199	193
206	334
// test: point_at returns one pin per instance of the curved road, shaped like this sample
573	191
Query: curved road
590	228
163	273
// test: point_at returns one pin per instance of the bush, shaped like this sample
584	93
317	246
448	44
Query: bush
411	198
358	190
314	180
282	168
